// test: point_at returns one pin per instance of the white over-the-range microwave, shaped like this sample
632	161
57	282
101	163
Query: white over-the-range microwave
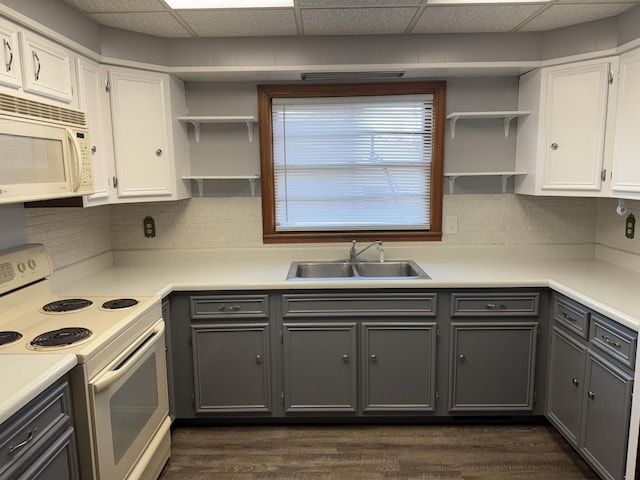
44	151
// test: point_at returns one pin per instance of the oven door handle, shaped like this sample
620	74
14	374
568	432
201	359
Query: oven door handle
129	359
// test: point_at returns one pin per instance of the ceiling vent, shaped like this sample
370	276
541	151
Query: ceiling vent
342	76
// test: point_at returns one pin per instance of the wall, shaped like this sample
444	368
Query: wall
14	230
611	226
69	234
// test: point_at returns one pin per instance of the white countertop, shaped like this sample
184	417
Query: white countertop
607	288
25	376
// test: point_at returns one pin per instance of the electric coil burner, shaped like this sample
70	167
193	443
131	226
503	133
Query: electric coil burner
61	337
119	303
67	305
9	337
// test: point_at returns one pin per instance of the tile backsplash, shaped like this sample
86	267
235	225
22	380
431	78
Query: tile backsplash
72	234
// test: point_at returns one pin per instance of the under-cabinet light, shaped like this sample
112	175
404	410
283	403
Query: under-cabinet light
192	4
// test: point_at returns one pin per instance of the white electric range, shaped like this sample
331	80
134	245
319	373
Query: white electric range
119	386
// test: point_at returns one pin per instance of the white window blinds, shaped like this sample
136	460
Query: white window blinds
349	163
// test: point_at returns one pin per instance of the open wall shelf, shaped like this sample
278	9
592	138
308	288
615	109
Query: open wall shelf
197	120
507	116
199	179
504	176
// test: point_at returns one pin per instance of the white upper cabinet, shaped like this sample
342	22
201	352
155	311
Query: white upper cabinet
626	155
10	73
150	145
46	68
92	98
564	144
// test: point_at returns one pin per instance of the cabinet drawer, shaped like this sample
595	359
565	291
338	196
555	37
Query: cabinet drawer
219	306
614	339
369	305
23	431
571	315
494	305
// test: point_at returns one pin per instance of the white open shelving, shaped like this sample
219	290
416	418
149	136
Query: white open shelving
197	120
504	177
506	115
199	179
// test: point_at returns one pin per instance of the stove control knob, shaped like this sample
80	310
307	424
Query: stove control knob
22	267
32	264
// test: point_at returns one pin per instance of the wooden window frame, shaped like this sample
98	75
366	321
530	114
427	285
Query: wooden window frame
265	95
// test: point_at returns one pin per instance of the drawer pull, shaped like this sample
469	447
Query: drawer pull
496	306
25	442
374	358
575	382
462	358
591	395
232	308
345	358
569	317
258	359
608	341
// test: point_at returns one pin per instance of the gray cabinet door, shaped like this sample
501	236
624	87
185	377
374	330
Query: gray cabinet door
492	366
398	366
320	371
566	384
606	411
231	368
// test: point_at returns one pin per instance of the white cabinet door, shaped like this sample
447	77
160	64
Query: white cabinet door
139	110
10	73
626	155
575	123
46	68
565	144
93	98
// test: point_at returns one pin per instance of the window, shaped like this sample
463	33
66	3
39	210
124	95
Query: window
351	161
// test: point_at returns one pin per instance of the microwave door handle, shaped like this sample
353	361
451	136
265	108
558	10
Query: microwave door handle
112	376
75	185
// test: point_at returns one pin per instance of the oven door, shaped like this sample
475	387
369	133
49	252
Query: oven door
129	404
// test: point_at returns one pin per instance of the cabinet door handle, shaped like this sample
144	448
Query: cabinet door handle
374	358
345	358
7	47
575	382
554	146
608	341
36	65
24	443
462	358
566	316
496	306
159	152
258	359
591	395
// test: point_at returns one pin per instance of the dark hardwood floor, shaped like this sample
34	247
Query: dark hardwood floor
373	452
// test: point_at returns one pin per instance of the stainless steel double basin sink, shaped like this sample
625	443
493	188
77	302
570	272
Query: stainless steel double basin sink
358	270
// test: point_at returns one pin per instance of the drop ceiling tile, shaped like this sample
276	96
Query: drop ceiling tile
110	6
241	23
356	21
557	16
473	18
158	24
358	3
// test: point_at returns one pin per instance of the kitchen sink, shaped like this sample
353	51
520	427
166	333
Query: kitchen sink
360	270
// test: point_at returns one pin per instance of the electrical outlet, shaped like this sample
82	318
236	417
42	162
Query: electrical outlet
149	227
451	225
630	226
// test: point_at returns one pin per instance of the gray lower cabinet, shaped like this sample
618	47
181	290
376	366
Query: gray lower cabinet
320	365
231	367
398	366
492	366
590	383
38	442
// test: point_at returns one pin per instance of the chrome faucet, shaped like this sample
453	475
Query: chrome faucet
353	253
